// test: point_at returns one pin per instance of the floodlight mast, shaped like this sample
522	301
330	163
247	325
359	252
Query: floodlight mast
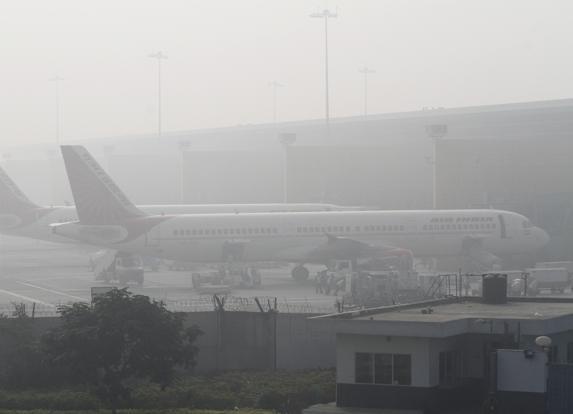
274	84
366	71
159	56
57	80
325	15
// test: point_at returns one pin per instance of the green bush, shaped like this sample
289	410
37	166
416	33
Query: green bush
57	400
281	390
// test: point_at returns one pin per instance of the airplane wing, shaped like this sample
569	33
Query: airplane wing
340	248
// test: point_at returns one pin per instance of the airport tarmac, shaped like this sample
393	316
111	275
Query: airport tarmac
48	275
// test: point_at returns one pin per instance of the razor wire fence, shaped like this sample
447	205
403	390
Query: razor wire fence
249	304
195	304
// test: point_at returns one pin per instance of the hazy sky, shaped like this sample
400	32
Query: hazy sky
222	54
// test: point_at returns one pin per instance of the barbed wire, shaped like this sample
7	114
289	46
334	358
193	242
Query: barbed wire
196	304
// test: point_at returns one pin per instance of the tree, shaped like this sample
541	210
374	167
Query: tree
119	338
19	351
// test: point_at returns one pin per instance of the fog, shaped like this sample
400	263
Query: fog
223	54
180	156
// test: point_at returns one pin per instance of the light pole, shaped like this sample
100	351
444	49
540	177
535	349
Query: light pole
52	156
286	140
57	80
366	71
159	56
183	146
325	15
435	132
274	84
108	150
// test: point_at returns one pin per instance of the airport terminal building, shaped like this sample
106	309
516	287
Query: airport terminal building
513	156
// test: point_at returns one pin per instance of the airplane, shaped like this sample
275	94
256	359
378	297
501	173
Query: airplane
21	217
107	218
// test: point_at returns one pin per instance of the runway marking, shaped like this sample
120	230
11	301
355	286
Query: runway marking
29	299
53	291
59	278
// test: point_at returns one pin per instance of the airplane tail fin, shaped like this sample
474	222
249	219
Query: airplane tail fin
12	199
98	199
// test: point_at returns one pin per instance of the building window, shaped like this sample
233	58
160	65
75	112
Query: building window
449	367
363	368
389	369
554	354
383	369
570	352
402	369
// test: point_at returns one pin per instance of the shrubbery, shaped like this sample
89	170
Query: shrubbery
283	391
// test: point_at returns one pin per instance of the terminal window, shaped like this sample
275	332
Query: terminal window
388	369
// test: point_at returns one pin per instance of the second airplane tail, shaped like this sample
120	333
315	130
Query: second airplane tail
12	199
98	199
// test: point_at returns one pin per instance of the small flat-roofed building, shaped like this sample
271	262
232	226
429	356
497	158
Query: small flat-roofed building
438	354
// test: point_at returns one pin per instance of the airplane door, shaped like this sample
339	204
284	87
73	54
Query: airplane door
502	226
153	236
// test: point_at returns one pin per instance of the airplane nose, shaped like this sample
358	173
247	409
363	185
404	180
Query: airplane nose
541	237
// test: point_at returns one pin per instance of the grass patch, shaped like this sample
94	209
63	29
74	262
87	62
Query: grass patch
285	391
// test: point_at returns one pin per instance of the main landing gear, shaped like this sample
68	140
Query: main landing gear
300	273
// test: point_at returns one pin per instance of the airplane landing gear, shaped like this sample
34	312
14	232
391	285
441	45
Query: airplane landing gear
300	273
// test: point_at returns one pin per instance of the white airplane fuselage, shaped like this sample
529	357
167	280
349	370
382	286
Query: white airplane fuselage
37	224
291	236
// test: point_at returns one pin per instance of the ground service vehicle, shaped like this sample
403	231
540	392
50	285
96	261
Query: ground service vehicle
119	267
554	279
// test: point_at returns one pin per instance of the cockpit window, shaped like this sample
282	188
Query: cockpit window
527	224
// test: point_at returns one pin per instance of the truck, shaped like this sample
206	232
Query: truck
552	265
113	266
